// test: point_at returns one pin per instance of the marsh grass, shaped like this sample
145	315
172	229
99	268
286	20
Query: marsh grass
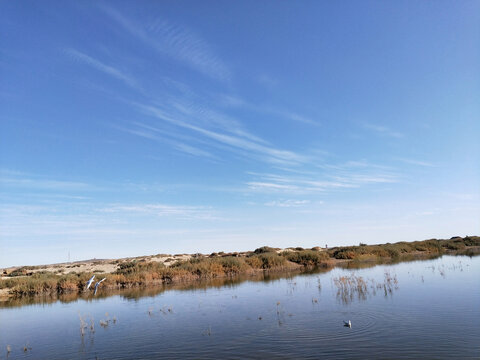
350	286
83	325
104	323
163	310
280	313
24	282
353	287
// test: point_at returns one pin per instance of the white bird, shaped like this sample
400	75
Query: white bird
96	285
347	323
89	282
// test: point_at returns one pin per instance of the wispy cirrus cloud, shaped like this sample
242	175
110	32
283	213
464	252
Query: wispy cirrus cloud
320	182
286	186
176	41
40	183
91	222
175	140
268	81
192	150
416	162
300	118
383	130
295	185
192	112
230	139
287	203
161	210
100	66
204	114
237	102
286	114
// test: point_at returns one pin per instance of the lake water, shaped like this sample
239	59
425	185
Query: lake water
423	309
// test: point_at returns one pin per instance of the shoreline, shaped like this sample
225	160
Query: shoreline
161	270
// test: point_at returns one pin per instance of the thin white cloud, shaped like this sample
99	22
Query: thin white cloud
287	203
140	132
89	221
181	212
302	119
463	196
176	41
267	81
230	101
416	162
253	148
257	185
161	136
383	130
286	114
205	115
321	182
41	183
188	149
358	179
100	66
424	213
235	101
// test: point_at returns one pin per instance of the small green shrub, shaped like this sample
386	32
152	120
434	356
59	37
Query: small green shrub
264	250
271	260
306	257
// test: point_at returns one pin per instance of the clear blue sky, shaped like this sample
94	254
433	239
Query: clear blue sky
143	127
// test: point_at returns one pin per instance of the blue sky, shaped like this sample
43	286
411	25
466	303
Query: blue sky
132	128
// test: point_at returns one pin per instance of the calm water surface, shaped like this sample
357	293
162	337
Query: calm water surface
424	309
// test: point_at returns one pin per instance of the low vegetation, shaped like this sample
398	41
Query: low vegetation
308	257
432	246
44	283
32	281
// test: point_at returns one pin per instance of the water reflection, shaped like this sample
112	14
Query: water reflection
138	293
271	316
348	288
375	261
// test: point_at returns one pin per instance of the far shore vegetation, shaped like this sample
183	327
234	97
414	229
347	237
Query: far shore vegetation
144	271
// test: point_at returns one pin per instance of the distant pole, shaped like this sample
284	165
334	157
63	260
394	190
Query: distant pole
69	256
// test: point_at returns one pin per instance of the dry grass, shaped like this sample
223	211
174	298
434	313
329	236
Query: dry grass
352	287
157	270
